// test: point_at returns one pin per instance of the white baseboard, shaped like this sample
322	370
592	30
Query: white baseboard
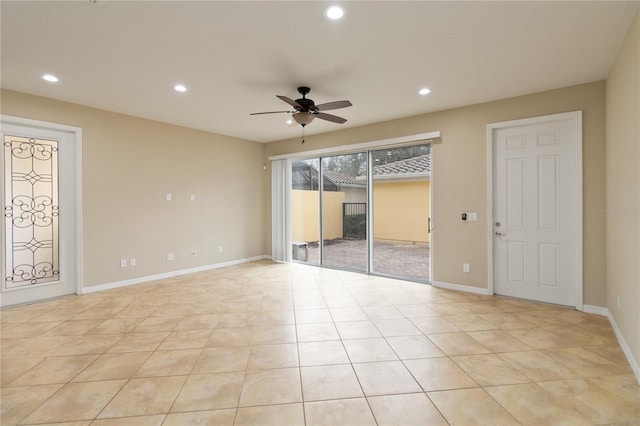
598	310
625	348
461	287
134	281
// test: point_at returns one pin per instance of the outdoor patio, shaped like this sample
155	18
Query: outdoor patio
399	259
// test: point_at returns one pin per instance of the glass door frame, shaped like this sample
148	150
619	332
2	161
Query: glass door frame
371	214
322	217
411	140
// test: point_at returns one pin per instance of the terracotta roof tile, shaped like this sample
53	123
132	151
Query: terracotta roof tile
421	164
342	179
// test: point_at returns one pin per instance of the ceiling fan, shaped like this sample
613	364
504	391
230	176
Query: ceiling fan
305	110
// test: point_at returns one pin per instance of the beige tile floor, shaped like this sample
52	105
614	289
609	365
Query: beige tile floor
273	344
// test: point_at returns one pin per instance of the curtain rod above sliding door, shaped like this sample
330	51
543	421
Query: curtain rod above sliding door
426	137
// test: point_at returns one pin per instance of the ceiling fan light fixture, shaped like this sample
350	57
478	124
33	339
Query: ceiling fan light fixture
303	118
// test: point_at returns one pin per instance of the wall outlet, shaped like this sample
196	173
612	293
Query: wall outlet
219	249
132	261
169	196
123	263
170	256
193	253
193	197
465	267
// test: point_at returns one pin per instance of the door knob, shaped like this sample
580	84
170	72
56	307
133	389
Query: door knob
500	234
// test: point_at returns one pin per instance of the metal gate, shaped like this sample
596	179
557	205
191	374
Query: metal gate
354	220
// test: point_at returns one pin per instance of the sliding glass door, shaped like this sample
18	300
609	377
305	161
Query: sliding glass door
344	211
305	210
366	211
401	200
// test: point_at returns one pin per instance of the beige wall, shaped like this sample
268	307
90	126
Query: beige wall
401	211
129	164
305	211
460	174
623	190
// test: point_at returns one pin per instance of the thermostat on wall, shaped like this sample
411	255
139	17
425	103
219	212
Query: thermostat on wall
471	217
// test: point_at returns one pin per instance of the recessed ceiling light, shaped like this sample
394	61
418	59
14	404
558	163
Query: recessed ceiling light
180	88
424	91
50	77
334	13
289	121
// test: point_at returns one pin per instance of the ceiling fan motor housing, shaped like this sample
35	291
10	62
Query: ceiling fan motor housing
306	104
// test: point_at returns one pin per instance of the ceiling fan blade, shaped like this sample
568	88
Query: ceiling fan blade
333	105
290	101
330	117
271	112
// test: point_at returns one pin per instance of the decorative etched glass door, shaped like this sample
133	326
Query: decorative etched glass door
31	211
39	262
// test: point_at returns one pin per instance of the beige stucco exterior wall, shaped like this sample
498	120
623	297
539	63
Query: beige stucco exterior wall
401	211
305	210
623	190
129	164
460	174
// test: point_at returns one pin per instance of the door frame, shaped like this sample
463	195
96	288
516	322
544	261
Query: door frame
492	128
281	215
76	132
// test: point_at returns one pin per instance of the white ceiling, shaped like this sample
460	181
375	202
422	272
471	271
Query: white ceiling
235	56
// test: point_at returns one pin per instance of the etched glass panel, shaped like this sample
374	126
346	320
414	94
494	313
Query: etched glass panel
31	211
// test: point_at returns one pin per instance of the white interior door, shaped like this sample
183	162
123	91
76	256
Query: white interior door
537	209
40	231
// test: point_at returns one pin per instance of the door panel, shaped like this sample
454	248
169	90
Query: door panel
548	193
344	228
548	266
516	184
536	211
516	261
401	200
305	210
39	255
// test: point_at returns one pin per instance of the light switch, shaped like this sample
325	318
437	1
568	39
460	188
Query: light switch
168	196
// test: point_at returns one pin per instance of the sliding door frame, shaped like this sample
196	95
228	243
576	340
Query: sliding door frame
368	147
